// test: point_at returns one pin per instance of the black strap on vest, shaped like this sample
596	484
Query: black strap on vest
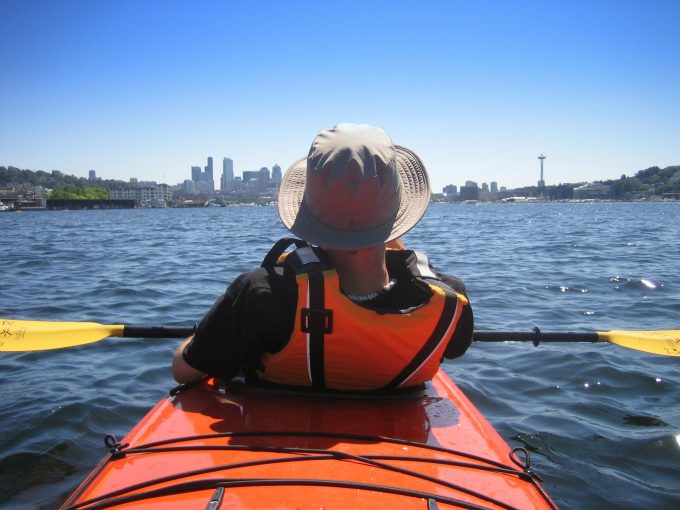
447	315
317	321
279	248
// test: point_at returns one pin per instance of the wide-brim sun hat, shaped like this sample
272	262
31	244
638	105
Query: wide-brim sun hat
355	189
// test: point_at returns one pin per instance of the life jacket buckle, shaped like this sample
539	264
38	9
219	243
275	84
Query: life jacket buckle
315	320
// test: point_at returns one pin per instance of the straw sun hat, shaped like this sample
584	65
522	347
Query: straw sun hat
355	189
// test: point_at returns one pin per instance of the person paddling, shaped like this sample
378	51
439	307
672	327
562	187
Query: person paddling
348	308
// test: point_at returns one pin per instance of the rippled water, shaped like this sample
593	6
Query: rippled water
603	422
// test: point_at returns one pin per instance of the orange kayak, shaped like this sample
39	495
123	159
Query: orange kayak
216	446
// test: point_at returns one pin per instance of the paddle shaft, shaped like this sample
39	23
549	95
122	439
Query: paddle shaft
534	336
135	331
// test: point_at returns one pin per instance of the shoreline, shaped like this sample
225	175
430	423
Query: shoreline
85	207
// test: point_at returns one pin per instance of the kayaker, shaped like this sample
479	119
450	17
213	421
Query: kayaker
347	311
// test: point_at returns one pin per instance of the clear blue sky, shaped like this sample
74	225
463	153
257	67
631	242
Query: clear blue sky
478	89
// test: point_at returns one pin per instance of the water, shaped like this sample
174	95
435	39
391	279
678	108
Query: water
603	422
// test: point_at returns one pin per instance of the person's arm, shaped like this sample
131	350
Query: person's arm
462	336
248	320
181	370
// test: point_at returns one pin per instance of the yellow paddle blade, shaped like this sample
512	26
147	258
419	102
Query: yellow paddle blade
17	335
665	342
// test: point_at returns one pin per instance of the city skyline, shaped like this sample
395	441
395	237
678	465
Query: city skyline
204	180
229	175
477	90
205	175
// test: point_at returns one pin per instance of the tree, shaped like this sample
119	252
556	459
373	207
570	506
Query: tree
79	193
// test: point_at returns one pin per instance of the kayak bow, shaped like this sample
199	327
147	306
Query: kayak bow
234	446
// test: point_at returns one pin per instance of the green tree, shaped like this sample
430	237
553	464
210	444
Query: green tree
79	192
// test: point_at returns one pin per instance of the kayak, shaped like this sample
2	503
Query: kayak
217	445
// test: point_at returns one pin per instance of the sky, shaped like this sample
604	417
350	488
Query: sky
478	89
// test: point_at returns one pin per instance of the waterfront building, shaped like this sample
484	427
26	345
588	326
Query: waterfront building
149	194
484	193
450	190
494	187
470	191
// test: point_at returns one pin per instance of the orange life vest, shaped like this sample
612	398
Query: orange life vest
339	344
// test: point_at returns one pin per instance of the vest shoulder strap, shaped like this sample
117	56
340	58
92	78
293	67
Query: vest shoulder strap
316	322
271	260
423	268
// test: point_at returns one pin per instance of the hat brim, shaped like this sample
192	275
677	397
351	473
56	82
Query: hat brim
415	197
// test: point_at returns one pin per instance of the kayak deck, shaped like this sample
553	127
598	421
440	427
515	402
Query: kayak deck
228	447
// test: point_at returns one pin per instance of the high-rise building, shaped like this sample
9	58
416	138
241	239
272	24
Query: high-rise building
494	187
209	168
203	180
196	173
276	175
227	174
250	174
263	178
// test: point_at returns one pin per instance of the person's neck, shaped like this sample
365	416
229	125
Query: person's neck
361	272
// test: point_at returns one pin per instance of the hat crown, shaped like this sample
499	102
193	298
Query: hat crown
334	149
354	189
352	180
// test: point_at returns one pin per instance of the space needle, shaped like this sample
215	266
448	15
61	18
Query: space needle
541	183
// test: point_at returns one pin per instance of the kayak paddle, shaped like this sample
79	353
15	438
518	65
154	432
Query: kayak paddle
665	342
21	335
